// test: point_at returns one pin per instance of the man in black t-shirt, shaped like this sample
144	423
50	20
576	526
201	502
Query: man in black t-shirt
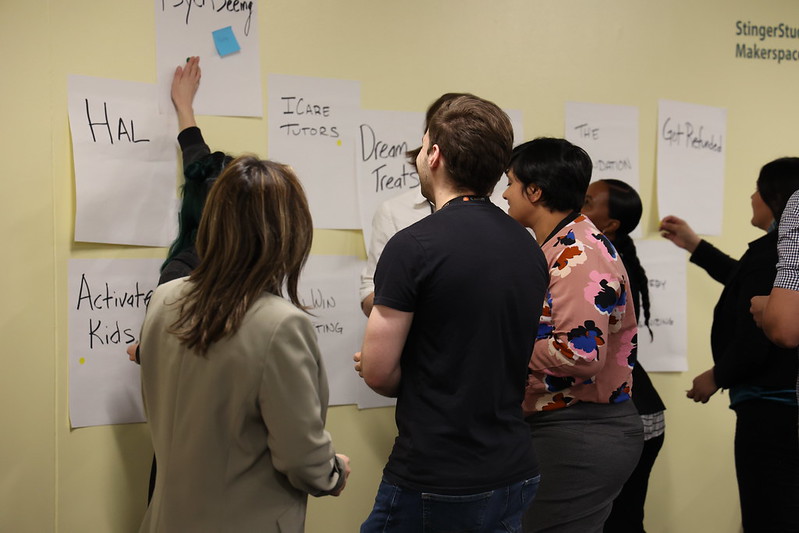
457	301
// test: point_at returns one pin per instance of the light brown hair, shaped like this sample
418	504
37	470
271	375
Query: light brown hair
435	106
255	235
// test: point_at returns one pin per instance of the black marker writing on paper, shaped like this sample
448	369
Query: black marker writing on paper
298	106
122	128
408	178
108	298
318	300
103	334
657	321
329	327
305	110
615	165
374	148
689	136
217	6
657	283
296	129
587	132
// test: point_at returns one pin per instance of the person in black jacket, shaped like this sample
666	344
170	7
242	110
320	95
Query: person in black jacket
615	208
760	375
200	168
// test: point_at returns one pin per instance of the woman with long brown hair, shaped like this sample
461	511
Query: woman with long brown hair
233	383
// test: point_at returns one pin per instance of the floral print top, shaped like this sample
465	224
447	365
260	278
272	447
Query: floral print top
586	345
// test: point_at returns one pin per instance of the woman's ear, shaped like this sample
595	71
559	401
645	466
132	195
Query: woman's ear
611	227
533	193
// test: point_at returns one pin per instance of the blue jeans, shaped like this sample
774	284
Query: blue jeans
401	510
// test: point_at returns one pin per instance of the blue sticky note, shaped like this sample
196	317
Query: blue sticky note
225	41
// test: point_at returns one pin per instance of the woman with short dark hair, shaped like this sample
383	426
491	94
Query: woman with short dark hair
585	430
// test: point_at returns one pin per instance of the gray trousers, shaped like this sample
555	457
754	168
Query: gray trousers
585	452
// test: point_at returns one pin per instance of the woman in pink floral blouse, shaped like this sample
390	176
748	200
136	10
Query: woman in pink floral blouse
585	430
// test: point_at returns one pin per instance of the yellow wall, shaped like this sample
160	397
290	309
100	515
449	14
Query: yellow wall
531	55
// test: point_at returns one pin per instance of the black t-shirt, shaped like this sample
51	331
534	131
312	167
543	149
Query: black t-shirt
475	280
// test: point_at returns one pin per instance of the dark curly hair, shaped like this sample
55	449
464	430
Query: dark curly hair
199	176
624	205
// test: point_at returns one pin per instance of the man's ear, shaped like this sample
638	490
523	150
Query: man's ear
433	156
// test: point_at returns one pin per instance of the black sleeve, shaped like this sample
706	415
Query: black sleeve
192	145
719	265
173	270
398	273
180	266
745	353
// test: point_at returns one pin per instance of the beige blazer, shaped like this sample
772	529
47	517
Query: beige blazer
239	433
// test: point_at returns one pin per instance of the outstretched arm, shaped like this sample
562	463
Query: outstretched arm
703	254
184	86
679	232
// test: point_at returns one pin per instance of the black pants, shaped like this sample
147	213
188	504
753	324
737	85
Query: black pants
767	466
627	515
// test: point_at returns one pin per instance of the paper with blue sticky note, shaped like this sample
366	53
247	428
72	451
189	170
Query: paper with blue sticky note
179	36
225	41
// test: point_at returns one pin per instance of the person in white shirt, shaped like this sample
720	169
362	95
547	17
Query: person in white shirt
395	214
